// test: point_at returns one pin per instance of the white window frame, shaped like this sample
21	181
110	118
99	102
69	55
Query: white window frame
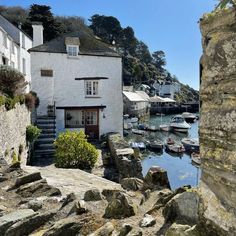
91	88
72	50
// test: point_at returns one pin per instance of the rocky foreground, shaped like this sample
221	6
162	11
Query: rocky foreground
30	206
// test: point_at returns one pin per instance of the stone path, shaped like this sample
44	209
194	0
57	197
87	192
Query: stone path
72	180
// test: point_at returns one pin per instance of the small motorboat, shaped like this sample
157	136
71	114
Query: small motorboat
141	127
126	116
190	144
128	126
152	128
164	127
189	117
196	158
139	145
155	145
178	124
139	132
172	146
134	120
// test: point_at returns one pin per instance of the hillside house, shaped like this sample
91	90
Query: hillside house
14	45
167	89
80	78
136	103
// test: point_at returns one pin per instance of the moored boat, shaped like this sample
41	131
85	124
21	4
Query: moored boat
178	124
196	158
164	127
140	132
189	117
172	146
155	145
134	120
190	144
152	128
139	145
128	126
126	116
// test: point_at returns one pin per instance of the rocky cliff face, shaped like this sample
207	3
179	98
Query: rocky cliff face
218	122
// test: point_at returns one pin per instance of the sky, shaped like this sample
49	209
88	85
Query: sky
171	26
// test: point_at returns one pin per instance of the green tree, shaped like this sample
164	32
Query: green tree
142	52
159	60
128	41
223	3
107	28
42	13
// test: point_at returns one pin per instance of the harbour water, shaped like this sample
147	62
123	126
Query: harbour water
180	169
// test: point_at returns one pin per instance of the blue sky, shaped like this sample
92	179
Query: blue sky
171	26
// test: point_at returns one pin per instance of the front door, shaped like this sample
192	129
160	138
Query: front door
91	123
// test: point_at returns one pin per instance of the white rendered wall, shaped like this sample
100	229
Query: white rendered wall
66	91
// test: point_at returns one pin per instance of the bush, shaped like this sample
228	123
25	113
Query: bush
32	133
74	151
2	100
12	82
31	100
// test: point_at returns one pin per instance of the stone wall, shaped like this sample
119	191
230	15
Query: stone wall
12	131
218	123
124	159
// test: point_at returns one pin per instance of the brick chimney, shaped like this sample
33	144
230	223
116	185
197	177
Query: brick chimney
37	33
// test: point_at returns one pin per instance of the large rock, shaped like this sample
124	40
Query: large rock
125	229
92	195
120	206
108	193
182	230
27	179
147	221
37	189
79	208
133	184
68	199
68	226
27	226
182	208
156	178
7	220
105	230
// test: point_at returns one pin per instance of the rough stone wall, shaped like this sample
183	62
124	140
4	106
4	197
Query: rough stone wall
218	123
126	164
13	125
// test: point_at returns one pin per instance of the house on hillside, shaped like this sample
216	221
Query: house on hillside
143	87
136	104
167	89
14	45
78	79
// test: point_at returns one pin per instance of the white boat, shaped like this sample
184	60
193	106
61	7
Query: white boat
139	145
137	131
176	148
128	126
134	120
155	145
189	117
196	158
126	116
191	144
152	128
178	124
164	127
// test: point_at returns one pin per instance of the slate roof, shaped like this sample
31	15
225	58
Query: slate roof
11	29
89	45
133	97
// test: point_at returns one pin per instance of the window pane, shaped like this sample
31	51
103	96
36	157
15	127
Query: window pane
88	87
74	118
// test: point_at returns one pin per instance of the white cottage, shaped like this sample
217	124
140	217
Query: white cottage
14	45
81	79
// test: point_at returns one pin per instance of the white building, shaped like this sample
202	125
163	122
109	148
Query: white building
14	45
167	89
136	103
82	78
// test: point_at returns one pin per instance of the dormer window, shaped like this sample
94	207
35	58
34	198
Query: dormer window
72	50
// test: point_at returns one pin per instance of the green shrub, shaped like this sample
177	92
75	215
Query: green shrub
74	151
10	103
2	100
32	133
14	158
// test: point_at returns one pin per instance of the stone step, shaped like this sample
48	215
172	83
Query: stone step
42	122
44	141
43	136
48	131
44	152
45	117
46	126
43	146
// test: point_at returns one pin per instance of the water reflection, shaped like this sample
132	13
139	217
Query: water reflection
181	171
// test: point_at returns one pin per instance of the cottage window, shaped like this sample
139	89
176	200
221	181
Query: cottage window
91	88
72	51
74	119
47	73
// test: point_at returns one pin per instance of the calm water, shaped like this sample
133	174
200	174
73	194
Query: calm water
179	168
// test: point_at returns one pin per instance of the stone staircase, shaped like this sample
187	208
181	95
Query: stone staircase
43	147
